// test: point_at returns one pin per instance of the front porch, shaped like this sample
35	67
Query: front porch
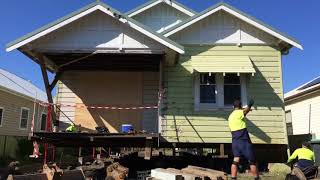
108	90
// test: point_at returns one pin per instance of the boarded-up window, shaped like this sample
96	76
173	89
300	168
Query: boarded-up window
289	123
24	117
1	116
207	88
232	88
43	122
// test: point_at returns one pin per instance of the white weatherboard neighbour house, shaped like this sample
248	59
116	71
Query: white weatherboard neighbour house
302	109
190	65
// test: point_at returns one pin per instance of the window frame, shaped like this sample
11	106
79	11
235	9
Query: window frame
2	119
41	121
28	109
216	90
219	92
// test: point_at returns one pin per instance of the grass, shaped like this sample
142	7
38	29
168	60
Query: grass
276	172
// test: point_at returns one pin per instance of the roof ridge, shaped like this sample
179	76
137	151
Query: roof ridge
162	1
233	9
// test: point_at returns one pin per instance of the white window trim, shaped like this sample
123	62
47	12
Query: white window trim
219	93
24	108
41	120
2	120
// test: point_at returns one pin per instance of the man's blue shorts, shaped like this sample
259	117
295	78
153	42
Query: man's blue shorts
243	148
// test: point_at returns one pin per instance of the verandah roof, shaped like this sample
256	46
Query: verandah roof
223	64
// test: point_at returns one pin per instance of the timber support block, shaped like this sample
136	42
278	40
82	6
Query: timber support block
148	148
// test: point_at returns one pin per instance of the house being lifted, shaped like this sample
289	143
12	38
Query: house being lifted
164	69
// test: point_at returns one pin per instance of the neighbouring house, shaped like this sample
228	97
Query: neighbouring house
166	69
302	109
17	109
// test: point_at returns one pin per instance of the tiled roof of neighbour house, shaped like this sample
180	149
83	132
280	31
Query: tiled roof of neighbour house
17	85
43	30
303	89
152	3
230	9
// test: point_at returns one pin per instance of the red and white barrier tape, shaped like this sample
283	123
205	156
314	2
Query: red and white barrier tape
101	107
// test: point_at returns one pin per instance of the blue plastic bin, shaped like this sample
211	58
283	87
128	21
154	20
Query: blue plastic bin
125	128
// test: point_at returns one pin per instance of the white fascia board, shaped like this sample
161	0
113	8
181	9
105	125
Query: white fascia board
144	8
262	27
53	28
147	33
187	12
80	15
170	3
240	16
152	36
191	22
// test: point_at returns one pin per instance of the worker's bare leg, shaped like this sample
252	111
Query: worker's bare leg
254	171
297	172
234	167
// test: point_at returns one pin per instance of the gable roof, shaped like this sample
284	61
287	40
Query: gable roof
237	13
85	11
303	89
151	3
17	85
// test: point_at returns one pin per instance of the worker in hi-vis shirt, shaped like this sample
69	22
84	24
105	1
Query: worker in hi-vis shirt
71	128
305	159
241	142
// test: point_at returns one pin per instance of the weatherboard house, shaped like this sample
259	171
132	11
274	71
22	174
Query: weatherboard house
302	109
167	69
21	107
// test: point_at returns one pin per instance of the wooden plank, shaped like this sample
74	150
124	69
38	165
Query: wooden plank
163	174
222	174
186	176
212	176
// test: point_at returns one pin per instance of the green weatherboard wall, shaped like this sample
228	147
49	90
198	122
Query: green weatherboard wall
265	123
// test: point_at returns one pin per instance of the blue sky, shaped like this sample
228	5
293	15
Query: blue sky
299	19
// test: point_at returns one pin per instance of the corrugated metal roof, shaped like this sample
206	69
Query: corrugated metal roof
21	86
223	64
315	83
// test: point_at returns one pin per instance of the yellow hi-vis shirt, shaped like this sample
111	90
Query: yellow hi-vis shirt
237	120
302	153
71	128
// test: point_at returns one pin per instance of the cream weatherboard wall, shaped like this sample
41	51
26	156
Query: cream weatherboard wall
265	123
305	114
12	104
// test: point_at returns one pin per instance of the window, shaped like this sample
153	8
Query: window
289	123
232	88
43	122
1	116
208	88
24	117
217	90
